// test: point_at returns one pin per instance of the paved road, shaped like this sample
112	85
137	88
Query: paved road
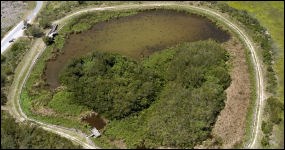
17	31
73	135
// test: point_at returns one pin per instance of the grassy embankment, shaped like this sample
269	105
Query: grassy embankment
9	61
271	16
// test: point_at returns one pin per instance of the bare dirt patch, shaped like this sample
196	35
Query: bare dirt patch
12	12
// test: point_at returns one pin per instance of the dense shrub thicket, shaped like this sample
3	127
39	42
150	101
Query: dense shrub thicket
111	84
174	96
34	31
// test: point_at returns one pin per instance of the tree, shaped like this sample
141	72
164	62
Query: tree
27	136
3	98
3	58
3	79
48	40
34	31
266	127
275	108
44	23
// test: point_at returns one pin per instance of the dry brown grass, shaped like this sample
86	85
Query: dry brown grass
119	144
229	128
230	125
44	111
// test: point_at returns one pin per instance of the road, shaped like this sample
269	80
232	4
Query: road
17	31
32	56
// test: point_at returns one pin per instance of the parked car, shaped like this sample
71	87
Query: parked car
12	40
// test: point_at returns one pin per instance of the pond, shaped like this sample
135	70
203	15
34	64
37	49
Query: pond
136	36
95	120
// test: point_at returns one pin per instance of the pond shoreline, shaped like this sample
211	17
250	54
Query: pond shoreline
143	34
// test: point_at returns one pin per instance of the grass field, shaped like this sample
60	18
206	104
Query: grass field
271	15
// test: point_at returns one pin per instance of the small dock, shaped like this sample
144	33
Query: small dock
95	133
